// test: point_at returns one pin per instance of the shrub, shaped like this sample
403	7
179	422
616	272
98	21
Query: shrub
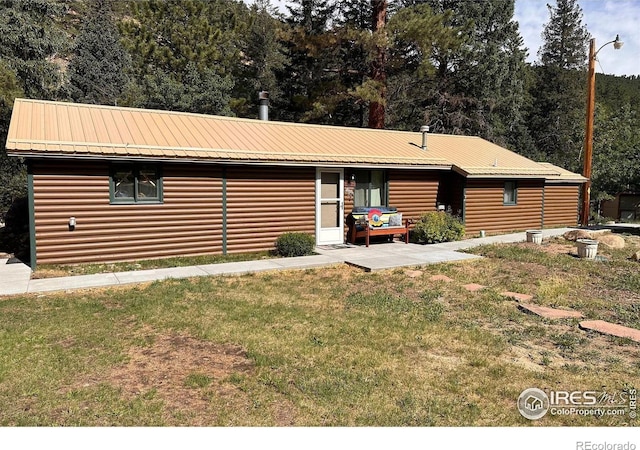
295	244
438	226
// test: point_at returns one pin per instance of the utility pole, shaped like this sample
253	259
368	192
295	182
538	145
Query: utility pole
588	135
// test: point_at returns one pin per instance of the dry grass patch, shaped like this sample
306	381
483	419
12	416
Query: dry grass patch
333	346
186	374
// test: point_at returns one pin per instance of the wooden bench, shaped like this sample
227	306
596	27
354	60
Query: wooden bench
367	231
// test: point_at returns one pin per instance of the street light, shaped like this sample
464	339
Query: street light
588	136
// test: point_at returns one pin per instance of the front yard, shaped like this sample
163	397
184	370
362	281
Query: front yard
334	346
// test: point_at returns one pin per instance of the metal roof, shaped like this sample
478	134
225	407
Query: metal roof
563	175
57	129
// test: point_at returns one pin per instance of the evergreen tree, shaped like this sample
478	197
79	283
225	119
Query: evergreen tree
12	172
378	65
424	52
492	70
199	91
557	115
30	42
99	70
264	56
616	155
310	81
180	47
473	66
351	49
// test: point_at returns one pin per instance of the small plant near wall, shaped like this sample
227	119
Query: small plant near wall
437	226
295	244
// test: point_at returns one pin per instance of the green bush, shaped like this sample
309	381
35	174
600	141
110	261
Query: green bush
437	226
295	244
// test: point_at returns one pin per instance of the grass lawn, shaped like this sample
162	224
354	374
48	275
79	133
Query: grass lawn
333	346
61	270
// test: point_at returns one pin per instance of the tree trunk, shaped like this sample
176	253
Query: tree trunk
378	73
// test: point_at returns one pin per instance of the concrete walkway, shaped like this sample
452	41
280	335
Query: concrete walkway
15	278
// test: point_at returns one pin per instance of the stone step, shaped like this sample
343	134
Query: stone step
444	278
473	287
517	296
611	329
550	313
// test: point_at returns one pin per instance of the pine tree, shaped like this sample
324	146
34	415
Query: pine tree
309	81
30	41
99	70
12	174
182	47
378	65
557	116
424	52
473	68
492	70
264	56
616	156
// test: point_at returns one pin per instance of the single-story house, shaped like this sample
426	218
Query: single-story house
114	184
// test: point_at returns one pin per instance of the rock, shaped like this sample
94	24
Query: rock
636	256
611	240
574	235
413	273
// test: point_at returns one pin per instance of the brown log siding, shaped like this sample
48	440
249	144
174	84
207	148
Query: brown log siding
561	205
413	192
188	222
484	208
264	202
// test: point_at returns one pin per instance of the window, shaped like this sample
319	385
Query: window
135	183
510	193
371	188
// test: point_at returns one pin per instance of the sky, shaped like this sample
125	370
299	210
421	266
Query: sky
603	18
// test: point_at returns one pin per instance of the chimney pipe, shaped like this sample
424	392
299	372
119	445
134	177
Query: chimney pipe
424	129
264	105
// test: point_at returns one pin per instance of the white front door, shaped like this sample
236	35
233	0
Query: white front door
329	206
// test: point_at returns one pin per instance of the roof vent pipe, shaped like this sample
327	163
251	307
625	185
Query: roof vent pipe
264	105
424	129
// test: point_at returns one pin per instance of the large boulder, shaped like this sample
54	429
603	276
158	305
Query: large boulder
636	256
574	235
611	240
